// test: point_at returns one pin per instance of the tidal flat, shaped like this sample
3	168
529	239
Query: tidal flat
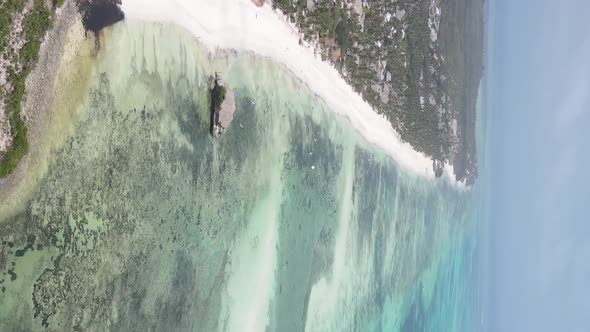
290	221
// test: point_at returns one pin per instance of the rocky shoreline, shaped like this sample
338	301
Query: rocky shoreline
34	28
36	103
39	105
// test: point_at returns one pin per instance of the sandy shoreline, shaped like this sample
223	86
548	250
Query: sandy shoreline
240	25
222	24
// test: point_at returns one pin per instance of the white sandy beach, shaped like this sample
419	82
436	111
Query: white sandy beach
240	25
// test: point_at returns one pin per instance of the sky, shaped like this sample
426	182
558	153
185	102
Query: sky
541	166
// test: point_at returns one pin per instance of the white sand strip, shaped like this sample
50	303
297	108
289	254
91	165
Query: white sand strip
251	275
240	25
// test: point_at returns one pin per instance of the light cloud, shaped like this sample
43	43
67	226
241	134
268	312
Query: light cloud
541	231
575	105
557	271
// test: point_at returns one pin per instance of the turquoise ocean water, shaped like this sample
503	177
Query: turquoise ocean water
289	222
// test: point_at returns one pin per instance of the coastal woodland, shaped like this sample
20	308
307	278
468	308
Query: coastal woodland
418	62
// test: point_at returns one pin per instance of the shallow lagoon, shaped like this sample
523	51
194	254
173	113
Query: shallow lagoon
289	222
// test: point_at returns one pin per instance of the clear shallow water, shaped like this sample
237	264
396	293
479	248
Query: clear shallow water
145	222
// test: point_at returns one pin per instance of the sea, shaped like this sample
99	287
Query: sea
139	220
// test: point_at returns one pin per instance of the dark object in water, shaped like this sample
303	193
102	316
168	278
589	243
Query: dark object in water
217	96
97	14
222	106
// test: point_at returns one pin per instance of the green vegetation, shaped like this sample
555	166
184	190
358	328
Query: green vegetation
388	56
217	96
421	121
343	33
6	10
461	34
408	56
35	24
